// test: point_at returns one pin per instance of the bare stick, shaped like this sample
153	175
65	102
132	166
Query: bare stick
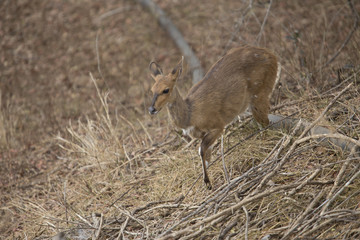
317	227
331	136
132	217
303	215
263	24
280	164
123	226
228	228
336	183
97	54
97	225
65	204
111	13
223	159
178	38
343	188
307	181
247	222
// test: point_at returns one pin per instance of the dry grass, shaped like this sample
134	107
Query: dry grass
114	172
139	191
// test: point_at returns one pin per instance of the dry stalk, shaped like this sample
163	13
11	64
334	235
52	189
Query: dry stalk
305	213
336	183
346	41
131	216
280	164
297	142
228	228
246	223
146	131
307	181
224	213
223	160
263	24
329	201
98	224
123	226
97	54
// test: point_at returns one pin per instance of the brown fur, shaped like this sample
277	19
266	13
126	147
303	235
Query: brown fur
243	77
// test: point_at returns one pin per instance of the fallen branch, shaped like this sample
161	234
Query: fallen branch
315	131
175	34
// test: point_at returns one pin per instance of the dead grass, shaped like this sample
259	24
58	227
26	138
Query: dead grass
81	156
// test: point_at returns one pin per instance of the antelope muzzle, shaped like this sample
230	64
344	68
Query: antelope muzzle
152	110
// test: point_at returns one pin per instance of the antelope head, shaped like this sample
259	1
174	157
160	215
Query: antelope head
163	86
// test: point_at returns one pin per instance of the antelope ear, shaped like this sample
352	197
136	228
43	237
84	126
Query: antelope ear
155	69
176	72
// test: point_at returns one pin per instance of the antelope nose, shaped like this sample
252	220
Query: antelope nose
152	110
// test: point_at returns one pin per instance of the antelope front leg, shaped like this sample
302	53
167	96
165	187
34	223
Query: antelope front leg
205	152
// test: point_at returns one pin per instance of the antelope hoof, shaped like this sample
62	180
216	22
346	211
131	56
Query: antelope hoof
207	183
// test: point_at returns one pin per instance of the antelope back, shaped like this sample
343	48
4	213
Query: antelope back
243	76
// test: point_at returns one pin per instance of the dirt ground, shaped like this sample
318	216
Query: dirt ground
49	48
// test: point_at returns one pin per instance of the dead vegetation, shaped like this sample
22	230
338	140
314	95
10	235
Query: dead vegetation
82	159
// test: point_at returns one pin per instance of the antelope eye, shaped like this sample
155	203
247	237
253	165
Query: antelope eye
166	91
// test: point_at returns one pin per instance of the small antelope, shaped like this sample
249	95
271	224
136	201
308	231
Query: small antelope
244	77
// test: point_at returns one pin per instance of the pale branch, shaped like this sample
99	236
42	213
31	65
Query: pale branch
312	129
176	35
263	24
316	132
246	223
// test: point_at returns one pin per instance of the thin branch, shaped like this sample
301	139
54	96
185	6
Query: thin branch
264	22
303	215
356	24
98	224
246	223
328	202
228	228
97	54
226	212
223	160
295	144
111	13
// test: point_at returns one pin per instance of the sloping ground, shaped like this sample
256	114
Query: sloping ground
119	173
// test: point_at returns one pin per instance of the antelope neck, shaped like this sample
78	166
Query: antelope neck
179	110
